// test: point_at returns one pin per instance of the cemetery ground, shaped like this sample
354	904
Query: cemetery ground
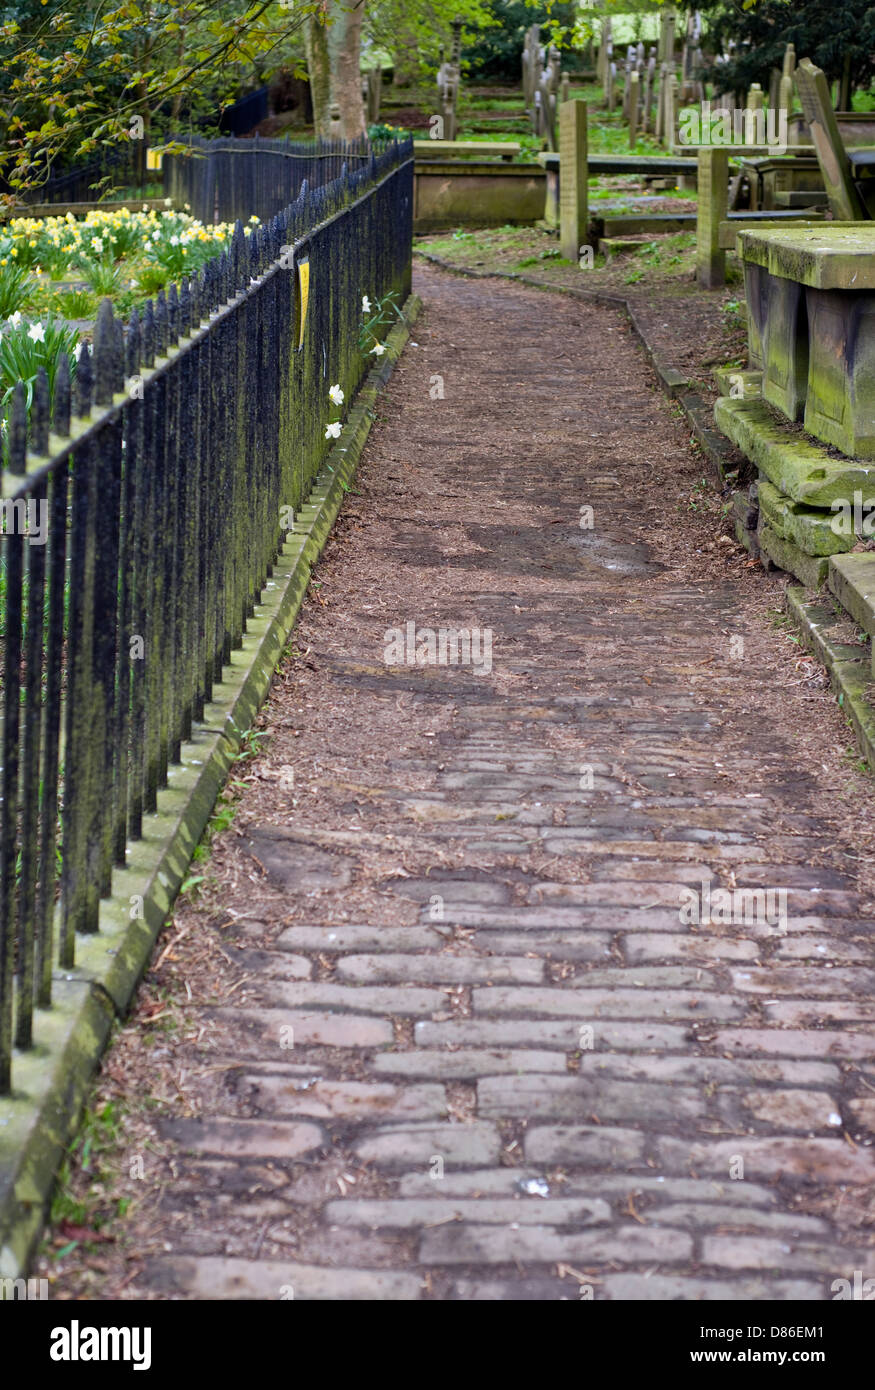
427	1023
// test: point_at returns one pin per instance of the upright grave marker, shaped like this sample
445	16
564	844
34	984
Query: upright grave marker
634	85
573	175
713	206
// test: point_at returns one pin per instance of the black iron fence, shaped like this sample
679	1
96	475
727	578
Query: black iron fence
144	507
216	179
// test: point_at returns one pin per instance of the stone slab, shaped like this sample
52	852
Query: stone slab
809	529
799	468
852	580
810	570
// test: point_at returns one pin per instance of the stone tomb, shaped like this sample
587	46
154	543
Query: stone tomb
811	326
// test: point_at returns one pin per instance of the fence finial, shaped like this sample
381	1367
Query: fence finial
83	384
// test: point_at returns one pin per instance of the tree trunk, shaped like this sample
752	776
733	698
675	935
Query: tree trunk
344	51
333	64
319	72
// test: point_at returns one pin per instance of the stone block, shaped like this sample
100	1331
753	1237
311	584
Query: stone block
810	570
799	468
840	403
852	580
809	528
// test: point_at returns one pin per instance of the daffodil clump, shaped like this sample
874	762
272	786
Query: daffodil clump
65	265
377	319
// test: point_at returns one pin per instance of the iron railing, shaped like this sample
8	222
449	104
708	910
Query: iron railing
164	469
218	178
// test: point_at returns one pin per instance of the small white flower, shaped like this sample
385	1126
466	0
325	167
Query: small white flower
174	241
77	351
366	304
336	395
97	243
37	333
378	349
333	431
14	319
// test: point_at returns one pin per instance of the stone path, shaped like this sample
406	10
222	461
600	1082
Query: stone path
475	1051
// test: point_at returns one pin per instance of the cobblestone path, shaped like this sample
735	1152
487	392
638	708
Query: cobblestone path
478	1050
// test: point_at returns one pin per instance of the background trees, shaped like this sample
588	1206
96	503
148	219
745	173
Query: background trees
838	37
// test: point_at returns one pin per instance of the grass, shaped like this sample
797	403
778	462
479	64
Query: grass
81	1218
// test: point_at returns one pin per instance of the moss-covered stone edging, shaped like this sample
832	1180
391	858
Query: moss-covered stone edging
51	1082
848	666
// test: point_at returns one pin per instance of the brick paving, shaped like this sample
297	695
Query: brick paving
476	1053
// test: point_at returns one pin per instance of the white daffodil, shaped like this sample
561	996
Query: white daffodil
366	304
14	319
97	243
336	395
333	431
37	333
378	349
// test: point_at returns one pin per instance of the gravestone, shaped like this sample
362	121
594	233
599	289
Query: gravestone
844	200
712	208
660	101
612	87
649	76
634	85
372	91
785	86
573	176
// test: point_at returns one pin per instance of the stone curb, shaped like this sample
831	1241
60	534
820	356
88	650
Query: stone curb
51	1081
849	671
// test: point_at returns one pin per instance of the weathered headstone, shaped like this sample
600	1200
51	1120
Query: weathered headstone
373	87
573	178
649	77
564	88
634	85
786	86
712	209
666	38
660	101
844	200
612	87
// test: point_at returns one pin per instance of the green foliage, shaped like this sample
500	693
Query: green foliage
78	78
382	131
16	289
497	53
830	35
25	347
380	317
101	274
